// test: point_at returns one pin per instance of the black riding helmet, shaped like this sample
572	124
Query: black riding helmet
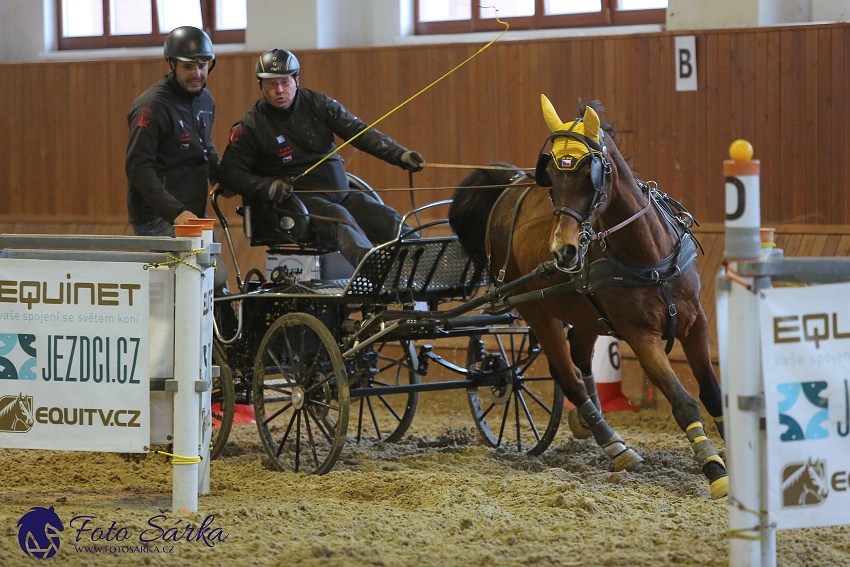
188	43
276	63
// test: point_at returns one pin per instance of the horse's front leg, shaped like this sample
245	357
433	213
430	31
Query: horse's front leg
581	351
550	333
685	411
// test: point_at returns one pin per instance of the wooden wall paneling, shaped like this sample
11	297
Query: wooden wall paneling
814	211
763	114
772	152
700	187
67	158
824	153
833	131
12	146
843	246
704	207
794	119
843	119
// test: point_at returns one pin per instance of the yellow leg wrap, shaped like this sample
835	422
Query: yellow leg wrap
719	488
716	459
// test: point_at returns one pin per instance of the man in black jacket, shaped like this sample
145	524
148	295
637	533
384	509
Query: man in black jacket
291	129
170	154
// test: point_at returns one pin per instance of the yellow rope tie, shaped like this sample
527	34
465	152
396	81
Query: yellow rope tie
741	533
376	122
693	425
180	459
178	260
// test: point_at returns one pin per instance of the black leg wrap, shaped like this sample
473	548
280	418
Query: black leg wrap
590	386
624	457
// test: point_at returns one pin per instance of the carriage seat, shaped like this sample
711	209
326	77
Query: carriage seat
285	227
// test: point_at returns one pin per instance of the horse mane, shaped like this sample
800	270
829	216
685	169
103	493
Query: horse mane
471	205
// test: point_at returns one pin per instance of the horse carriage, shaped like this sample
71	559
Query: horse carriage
582	249
323	360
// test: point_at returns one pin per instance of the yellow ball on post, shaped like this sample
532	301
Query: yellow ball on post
741	151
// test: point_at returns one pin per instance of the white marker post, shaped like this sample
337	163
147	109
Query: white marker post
742	387
187	372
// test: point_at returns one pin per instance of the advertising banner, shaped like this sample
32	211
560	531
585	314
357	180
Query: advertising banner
805	350
74	356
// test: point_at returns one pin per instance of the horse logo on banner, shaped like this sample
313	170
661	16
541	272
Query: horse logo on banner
16	413
804	484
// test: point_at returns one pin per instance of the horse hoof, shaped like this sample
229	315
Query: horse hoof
578	430
628	460
720	488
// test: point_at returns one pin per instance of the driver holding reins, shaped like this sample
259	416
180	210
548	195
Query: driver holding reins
290	129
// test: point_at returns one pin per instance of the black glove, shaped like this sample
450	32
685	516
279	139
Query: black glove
279	190
412	161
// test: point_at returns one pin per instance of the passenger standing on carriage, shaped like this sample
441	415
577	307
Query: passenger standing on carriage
290	129
170	154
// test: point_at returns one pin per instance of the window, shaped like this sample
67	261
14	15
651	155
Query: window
97	24
455	16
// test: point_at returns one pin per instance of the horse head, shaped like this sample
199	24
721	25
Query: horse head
577	171
25	410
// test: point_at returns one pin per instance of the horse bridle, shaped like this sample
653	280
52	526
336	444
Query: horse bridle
600	171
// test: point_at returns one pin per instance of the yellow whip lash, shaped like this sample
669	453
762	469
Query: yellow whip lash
376	122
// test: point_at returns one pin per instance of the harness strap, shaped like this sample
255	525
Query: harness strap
500	276
671	322
604	233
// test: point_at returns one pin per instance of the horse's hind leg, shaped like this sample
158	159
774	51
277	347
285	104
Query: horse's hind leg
685	411
695	345
550	333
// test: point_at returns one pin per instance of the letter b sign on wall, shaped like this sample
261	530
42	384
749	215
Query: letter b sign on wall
686	62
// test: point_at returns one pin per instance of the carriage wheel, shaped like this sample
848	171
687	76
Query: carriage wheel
300	395
223	399
515	408
387	417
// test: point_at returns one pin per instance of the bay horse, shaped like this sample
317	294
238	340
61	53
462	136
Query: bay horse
618	257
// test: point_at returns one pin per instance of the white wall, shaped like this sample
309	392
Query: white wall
712	14
325	24
22	28
28	27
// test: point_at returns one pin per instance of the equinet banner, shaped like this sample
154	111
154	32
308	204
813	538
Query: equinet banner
74	355
805	349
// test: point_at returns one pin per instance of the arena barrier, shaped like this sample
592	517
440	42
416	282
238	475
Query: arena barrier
106	345
784	352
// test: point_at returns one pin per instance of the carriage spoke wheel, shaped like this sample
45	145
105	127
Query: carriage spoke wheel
515	408
223	400
385	417
301	393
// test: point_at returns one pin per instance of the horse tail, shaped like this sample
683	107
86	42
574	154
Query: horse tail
471	205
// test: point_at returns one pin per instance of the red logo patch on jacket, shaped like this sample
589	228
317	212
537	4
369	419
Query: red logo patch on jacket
235	133
144	117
